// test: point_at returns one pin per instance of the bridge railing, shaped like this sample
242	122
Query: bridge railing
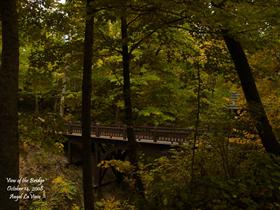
172	135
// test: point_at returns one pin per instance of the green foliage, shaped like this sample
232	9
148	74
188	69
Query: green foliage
62	188
44	130
255	186
165	177
168	42
119	165
64	192
61	195
113	204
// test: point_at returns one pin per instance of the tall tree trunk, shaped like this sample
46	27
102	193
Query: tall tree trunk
36	101
9	145
128	106
197	120
253	99
63	92
86	112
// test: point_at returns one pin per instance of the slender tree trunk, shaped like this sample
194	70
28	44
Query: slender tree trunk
86	113
253	99
197	120
36	101
9	145
63	92
128	106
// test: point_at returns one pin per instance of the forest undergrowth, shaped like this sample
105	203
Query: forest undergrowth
227	174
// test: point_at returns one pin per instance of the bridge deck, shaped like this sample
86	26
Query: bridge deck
149	135
121	140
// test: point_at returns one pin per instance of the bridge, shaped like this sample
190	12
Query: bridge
110	142
144	134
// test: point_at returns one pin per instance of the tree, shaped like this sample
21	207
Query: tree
245	19
128	106
9	145
86	110
47	44
253	99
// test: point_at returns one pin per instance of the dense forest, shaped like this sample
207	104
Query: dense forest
128	104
